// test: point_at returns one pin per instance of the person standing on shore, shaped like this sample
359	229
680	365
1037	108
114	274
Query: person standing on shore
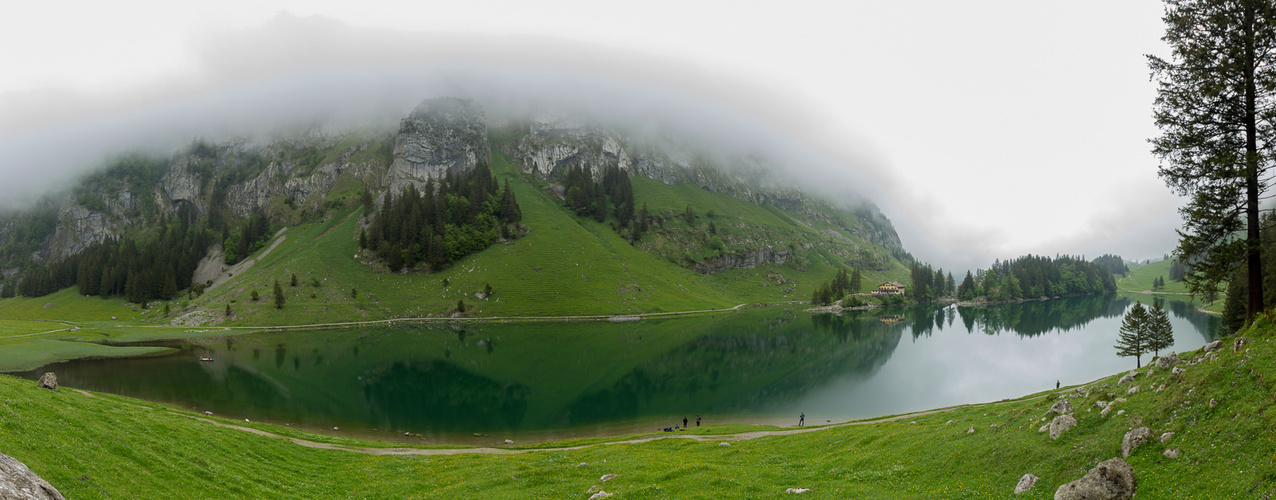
802	419
697	420
684	422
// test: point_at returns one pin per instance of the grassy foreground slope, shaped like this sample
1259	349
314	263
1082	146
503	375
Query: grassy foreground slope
101	446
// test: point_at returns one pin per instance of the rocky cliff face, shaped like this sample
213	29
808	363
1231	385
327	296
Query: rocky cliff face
748	260
78	228
556	142
439	136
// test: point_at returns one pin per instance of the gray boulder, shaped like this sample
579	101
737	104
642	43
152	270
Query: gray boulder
1165	438
1106	410
1112	479
1025	483
48	381
17	482
1061	424
1171	453
1178	370
1061	407
1168	361
1129	377
1213	346
1238	345
1133	439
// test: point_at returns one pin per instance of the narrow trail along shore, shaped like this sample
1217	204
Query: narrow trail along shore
742	436
511	451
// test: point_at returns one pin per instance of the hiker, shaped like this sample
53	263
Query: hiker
697	420
802	419
684	422
1056	384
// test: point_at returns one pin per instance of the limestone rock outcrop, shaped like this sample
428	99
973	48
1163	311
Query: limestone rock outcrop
48	381
17	482
78	228
1112	479
1134	439
440	136
1061	424
1167	361
749	260
1025	483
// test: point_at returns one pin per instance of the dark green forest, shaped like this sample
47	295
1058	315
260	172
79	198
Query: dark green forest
459	215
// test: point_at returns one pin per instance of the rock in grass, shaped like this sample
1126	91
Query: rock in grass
970	430
1165	438
599	494
1213	346
1168	360
1106	410
1238	345
1129	377
19	483
607	477
1178	370
1061	424
48	381
1133	439
1174	453
1061	407
1111	479
1025	483
797	490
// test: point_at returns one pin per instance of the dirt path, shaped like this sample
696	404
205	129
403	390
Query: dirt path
484	319
508	451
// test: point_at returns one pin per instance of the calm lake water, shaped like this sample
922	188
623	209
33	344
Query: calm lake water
555	381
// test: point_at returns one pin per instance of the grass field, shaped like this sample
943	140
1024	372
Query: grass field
1140	280
106	446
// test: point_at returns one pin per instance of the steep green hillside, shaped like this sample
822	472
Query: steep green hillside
564	265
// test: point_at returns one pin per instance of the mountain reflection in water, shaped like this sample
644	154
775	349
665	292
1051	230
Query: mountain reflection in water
759	365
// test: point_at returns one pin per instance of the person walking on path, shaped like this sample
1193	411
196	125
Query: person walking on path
697	420
802	419
684	422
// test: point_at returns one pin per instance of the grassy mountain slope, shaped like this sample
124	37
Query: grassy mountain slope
100	446
565	265
1141	278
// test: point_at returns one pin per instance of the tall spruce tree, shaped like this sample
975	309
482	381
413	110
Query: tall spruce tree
1133	338
1215	95
1160	332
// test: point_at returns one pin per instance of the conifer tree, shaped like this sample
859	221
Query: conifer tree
1215	97
1133	339
1160	332
279	296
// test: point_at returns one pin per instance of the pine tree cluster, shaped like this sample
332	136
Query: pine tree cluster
1144	331
153	269
443	222
1037	276
613	195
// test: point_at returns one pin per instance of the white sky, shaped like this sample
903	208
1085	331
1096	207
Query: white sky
984	129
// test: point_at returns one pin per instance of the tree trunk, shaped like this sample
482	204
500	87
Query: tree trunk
1252	244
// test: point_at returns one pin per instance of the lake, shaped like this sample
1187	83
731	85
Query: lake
551	381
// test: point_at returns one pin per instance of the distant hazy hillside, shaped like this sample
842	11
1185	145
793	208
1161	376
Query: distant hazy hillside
726	216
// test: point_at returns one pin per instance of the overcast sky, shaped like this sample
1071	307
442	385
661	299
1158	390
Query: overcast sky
983	129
